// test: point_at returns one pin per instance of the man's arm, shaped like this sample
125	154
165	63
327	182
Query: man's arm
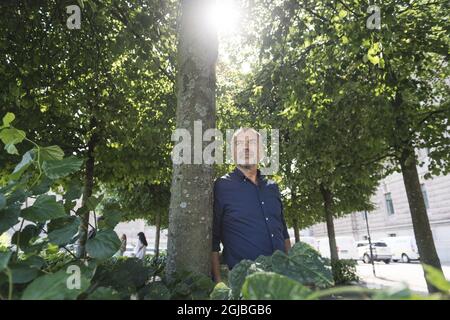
217	230
215	264
287	240
287	245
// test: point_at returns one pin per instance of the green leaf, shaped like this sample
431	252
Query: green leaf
23	273
8	218
237	275
8	118
122	274
27	159
373	59
51	153
221	292
273	286
2	201
395	293
303	264
64	234
342	14
10	137
437	279
104	245
4	259
35	262
92	202
56	286
110	219
55	169
43	186
156	291
74	191
103	293
44	208
28	232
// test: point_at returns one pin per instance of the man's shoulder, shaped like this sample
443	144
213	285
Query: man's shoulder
272	184
226	178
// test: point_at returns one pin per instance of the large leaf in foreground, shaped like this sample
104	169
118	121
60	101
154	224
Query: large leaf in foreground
273	286
303	264
56	286
44	208
55	169
104	245
63	230
9	217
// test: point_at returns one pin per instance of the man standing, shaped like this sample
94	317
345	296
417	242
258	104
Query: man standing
248	212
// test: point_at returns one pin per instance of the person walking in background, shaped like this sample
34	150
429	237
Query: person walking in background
123	245
141	246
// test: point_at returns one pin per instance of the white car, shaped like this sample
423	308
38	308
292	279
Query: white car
380	251
403	248
346	247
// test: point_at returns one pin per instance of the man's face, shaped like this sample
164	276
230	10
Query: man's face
246	146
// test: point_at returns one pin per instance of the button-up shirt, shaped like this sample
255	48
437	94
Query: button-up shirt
248	218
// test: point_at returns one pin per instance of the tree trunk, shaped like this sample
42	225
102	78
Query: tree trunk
421	224
157	233
296	231
328	209
87	192
190	214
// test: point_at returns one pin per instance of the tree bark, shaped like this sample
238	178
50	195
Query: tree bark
296	230
408	165
87	192
190	213
421	224
157	233
328	209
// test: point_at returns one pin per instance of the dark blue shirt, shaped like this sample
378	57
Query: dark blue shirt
248	218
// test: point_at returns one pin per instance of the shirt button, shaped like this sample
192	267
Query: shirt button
272	235
267	219
262	202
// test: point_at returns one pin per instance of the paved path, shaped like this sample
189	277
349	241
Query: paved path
396	275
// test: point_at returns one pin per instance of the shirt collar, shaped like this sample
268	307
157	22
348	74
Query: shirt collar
241	176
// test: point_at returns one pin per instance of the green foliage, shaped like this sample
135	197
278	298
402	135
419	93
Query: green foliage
221	292
125	275
53	287
55	169
62	231
303	264
190	286
44	208
105	244
156	290
273	286
344	272
34	267
437	278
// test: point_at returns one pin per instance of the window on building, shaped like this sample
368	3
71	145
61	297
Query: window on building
389	203
425	195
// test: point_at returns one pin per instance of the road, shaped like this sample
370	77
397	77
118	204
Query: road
396	274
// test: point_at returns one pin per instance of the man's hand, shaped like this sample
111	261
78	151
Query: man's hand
215	264
287	245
